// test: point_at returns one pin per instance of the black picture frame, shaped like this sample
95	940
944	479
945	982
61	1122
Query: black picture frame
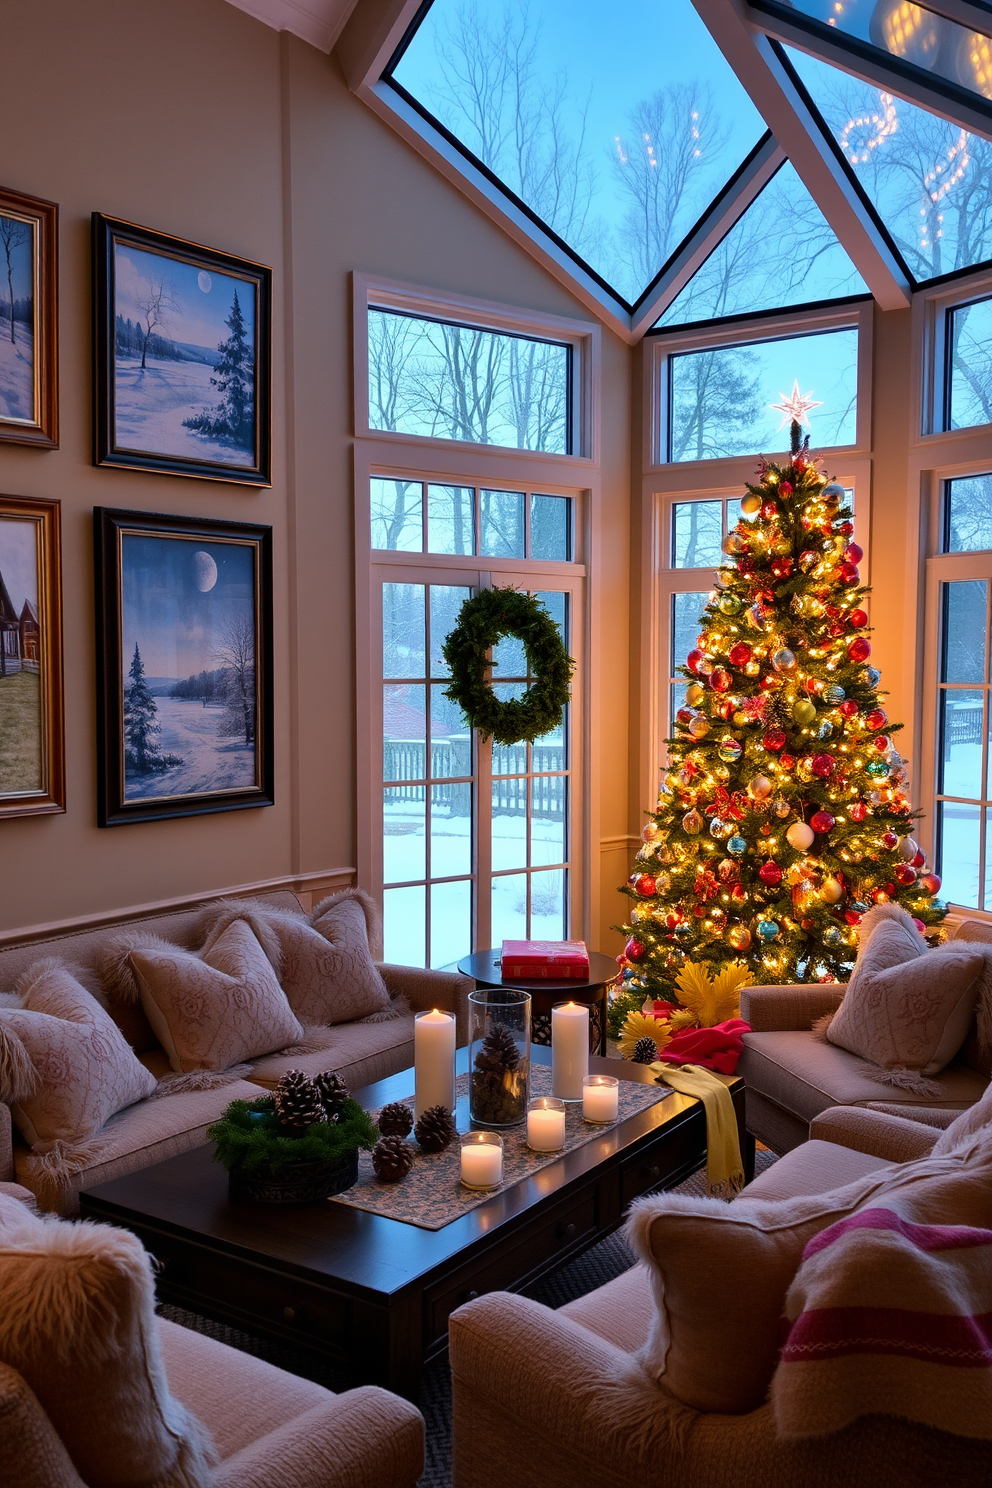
151	589
152	371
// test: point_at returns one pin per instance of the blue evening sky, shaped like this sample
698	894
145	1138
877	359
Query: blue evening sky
175	622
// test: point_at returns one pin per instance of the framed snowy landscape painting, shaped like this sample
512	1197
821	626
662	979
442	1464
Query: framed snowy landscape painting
184	617
29	246
183	352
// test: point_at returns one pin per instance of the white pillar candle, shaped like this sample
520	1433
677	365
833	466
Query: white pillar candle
569	1049
600	1098
434	1060
482	1160
546	1125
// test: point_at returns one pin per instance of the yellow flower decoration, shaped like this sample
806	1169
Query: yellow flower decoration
712	1001
642	1025
681	1019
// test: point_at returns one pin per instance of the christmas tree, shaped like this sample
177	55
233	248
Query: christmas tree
783	815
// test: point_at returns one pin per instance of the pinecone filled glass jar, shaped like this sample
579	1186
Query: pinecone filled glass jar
499	1056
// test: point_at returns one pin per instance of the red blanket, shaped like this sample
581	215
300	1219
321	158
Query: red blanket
717	1048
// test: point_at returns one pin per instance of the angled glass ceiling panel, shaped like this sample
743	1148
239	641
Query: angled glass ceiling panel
914	34
929	181
616	126
782	252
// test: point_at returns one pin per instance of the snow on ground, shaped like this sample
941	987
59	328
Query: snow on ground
210	763
17	372
151	406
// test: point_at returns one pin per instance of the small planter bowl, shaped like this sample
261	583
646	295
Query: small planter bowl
298	1183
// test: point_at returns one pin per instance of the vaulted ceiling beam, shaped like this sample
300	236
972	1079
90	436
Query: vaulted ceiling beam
754	60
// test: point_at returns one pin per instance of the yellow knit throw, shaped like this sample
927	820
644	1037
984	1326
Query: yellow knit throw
724	1168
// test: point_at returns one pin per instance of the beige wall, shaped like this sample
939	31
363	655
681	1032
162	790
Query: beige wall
191	117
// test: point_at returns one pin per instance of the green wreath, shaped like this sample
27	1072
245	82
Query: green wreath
482	620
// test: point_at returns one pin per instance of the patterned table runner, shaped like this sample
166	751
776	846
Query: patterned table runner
431	1195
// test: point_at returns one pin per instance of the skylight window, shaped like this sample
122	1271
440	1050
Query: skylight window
782	252
618	148
929	180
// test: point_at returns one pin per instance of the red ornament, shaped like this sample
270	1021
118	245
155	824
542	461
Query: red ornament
787	761
781	567
812	685
774	740
854	553
738	892
725	708
786	486
771	682
837	629
890	840
859	649
693	659
720	679
846	528
920	925
770	873
633	950
906	874
880	742
821	821
745	565
889	888
919	860
857	618
930	882
849	575
852	917
646	886
858	811
877	719
822	765
848	708
684	716
740	654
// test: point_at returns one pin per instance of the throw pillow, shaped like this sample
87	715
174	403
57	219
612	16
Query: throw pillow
78	1324
216	1009
966	1128
68	1066
906	1007
324	961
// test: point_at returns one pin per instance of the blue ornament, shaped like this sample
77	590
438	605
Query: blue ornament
629	973
729	749
834	694
859	906
768	929
683	931
832	936
872	676
737	846
878	768
825	729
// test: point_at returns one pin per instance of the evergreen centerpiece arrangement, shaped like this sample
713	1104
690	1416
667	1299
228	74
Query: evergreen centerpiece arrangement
784	813
295	1146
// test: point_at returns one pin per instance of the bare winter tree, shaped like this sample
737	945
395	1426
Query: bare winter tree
236	655
13	235
155	305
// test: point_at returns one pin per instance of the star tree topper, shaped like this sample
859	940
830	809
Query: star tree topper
795	408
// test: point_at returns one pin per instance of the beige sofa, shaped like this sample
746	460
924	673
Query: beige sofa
152	1130
791	1076
555	1399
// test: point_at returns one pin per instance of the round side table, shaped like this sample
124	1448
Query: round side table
484	967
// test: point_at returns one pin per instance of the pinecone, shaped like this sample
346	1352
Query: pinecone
499	1051
499	1081
645	1051
396	1120
333	1093
392	1159
297	1103
435	1129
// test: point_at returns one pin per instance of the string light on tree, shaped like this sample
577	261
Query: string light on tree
784	811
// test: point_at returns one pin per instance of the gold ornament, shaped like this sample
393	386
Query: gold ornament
739	937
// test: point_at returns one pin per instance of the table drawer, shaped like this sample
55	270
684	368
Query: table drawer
668	1158
567	1225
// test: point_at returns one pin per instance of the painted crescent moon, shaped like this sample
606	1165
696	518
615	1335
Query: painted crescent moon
204	571
204	280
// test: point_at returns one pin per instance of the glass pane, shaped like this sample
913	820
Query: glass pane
502	516
509	759
451	519
964	631
686	610
509	658
970	392
988	860
404	733
509	908
616	129
404	924
968	514
724	401
451	830
960	744
397	510
734	514
404	829
451	922
551	528
510	822
446	381
549	804
697	531
959	828
446	601
451	737
929	180
678	699
547	905
754	269
403	630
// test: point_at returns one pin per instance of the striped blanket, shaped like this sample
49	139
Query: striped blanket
887	1316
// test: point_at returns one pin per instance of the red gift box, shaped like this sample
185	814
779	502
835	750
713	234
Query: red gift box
555	960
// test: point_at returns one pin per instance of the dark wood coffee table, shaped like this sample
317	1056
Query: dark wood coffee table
370	1295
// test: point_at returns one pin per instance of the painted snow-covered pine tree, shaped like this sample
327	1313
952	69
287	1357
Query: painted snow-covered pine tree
141	730
234	377
783	815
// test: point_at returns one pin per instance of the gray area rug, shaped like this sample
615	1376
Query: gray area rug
592	1269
